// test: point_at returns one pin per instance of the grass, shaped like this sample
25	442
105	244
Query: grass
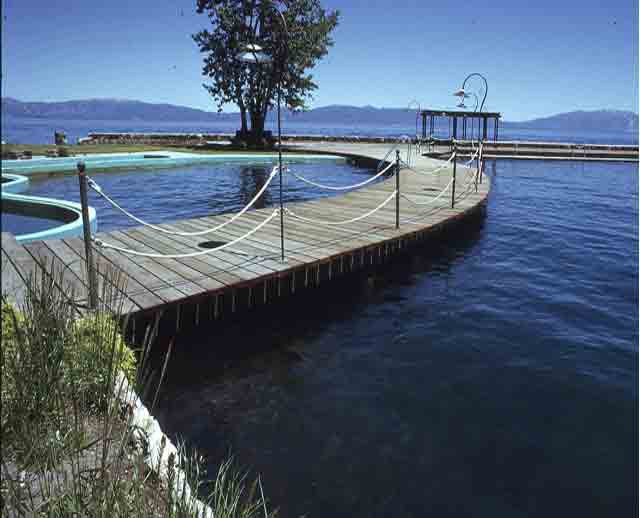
68	444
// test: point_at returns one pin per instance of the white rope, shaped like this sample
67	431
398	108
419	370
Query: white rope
436	170
103	244
432	200
99	190
474	156
394	146
344	222
346	187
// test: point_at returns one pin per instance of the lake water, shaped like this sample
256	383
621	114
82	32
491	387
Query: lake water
40	131
159	195
494	374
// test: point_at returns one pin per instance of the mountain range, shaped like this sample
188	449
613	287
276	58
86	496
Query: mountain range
128	110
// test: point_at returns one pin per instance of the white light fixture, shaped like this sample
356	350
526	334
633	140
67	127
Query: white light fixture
461	93
253	53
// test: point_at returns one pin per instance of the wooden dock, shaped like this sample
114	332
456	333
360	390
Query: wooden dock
523	150
192	290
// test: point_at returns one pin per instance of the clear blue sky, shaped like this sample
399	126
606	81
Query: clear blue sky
540	57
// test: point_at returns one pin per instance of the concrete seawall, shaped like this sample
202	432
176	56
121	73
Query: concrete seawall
200	139
500	149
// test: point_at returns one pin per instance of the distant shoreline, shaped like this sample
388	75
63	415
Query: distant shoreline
108	110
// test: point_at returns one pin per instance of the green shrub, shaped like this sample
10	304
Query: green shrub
94	355
10	317
59	457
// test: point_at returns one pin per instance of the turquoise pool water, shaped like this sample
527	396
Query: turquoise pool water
142	159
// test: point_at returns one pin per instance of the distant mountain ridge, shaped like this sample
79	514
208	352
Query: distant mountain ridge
584	120
127	110
104	109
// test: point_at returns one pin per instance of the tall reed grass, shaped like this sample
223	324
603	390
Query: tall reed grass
68	444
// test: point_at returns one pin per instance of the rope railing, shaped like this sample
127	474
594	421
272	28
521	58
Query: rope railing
473	157
472	176
99	190
395	146
432	171
103	244
346	221
344	187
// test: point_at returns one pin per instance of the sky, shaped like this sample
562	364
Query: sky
539	58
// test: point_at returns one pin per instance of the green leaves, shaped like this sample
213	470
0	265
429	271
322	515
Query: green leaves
295	33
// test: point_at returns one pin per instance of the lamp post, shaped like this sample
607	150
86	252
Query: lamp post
253	53
415	105
462	92
464	96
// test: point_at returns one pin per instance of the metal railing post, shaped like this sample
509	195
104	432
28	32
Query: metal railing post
453	181
481	161
280	178
478	163
397	188
86	227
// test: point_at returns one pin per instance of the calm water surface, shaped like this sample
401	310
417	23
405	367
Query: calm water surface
495	374
20	224
165	195
40	131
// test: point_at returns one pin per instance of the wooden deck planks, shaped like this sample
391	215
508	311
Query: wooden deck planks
154	283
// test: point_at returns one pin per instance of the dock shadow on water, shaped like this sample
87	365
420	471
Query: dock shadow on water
458	380
240	369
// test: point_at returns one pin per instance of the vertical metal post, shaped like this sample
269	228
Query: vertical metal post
397	188
86	226
478	162
481	160
431	125
453	182
280	176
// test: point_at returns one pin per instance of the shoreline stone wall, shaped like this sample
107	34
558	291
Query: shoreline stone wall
200	139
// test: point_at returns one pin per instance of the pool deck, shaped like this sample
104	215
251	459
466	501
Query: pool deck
192	290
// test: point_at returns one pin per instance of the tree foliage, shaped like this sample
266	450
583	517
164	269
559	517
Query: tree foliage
295	34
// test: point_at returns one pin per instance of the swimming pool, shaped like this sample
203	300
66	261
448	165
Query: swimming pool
165	194
141	159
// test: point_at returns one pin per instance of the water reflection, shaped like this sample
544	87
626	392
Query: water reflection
281	323
252	179
491	375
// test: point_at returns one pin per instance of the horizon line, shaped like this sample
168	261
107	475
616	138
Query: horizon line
365	106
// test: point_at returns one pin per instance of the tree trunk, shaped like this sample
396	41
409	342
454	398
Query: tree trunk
243	120
257	126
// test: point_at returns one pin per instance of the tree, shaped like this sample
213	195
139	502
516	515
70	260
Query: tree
294	45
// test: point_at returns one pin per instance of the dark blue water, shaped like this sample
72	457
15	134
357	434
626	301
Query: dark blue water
40	131
20	224
166	195
492	374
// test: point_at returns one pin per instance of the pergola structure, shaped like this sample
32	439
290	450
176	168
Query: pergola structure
467	119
